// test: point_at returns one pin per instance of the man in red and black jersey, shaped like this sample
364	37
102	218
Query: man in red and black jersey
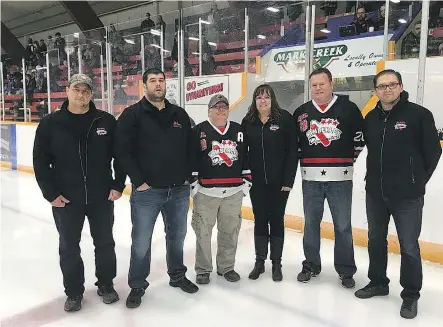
330	137
222	177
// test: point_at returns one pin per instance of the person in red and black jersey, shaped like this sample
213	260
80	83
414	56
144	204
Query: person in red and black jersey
272	142
330	136
220	167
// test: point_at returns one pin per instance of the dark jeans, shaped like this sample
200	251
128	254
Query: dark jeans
69	221
268	205
173	203
407	216
339	196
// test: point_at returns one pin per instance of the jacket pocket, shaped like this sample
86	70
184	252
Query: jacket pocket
411	164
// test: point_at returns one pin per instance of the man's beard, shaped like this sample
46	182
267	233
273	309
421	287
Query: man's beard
154	98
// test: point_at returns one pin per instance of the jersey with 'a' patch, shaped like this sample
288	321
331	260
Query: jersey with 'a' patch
220	158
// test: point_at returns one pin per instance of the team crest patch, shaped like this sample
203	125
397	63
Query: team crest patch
101	131
176	124
274	127
303	125
223	153
203	145
323	132
400	125
301	117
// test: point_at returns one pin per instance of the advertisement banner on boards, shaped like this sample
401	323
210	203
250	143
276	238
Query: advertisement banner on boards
344	58
198	90
6	143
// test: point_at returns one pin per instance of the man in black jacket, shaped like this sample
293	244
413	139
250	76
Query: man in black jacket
73	150
152	144
403	152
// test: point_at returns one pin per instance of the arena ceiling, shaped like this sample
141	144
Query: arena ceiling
27	17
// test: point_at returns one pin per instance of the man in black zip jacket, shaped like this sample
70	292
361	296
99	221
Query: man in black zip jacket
403	152
153	145
73	151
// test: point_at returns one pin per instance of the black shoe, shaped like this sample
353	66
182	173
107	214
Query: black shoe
135	298
409	309
202	278
277	275
347	281
259	268
305	275
108	294
185	285
230	276
371	290
73	303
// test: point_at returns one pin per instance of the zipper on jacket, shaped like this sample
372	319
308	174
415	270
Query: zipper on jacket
263	152
85	167
381	153
411	163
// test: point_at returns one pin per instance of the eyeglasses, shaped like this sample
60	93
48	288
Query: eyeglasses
385	86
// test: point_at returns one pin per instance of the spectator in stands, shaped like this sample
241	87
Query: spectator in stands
30	53
161	25
147	24
118	56
361	22
120	96
152	144
43	47
30	85
410	47
436	15
329	7
42	109
60	44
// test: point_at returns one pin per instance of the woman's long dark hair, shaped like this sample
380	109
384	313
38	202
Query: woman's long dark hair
252	113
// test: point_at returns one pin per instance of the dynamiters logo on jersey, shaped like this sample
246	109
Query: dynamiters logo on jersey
223	153
323	132
293	61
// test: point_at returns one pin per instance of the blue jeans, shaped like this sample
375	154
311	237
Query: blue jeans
339	196
173	203
407	216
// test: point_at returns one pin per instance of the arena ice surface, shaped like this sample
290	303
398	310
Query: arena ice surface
32	290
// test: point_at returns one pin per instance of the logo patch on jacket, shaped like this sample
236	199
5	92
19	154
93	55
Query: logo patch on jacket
323	132
203	144
101	131
400	125
274	127
223	153
176	124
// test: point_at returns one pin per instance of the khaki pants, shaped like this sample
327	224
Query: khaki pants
227	212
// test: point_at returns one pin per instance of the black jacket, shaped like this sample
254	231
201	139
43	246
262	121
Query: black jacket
153	145
403	149
60	167
273	150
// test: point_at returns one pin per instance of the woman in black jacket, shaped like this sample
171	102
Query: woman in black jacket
271	137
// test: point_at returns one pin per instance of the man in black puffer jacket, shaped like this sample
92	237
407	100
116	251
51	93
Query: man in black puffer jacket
73	151
403	152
